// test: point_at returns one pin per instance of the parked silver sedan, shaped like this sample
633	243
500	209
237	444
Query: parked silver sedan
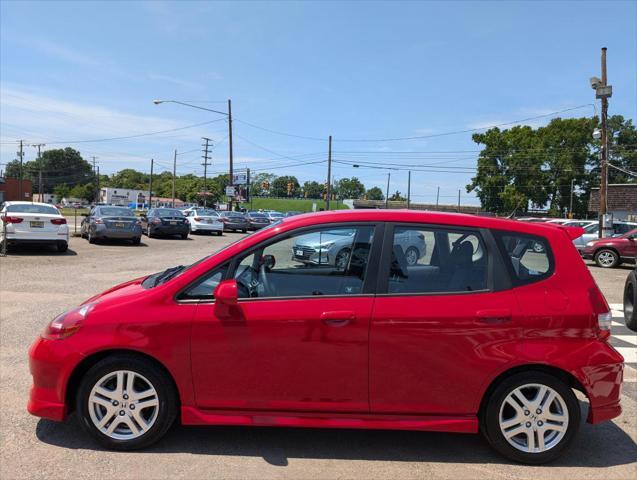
110	222
333	247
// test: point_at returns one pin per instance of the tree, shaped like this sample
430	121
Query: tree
397	197
61	191
375	193
131	179
279	187
257	181
349	188
313	189
61	165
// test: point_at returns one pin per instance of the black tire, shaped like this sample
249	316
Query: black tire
137	240
89	237
342	255
630	301
410	254
490	424
62	247
167	396
219	233
184	236
607	258
244	230
149	232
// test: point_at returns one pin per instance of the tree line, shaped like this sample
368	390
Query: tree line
518	169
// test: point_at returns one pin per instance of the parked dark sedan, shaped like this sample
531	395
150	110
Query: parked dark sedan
257	220
164	222
111	222
234	221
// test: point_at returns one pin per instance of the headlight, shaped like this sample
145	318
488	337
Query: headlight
326	246
591	243
66	324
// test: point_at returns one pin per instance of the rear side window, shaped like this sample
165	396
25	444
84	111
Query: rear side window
529	257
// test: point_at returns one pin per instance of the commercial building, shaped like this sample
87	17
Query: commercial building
10	189
622	201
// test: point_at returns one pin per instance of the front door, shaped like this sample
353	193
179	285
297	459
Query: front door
298	340
440	327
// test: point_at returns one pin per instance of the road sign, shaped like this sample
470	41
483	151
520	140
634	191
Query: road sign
230	192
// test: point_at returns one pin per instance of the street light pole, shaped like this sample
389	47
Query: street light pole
230	148
570	208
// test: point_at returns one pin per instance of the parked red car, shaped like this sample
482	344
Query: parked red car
611	252
482	333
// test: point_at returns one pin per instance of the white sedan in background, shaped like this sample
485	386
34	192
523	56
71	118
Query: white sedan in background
204	220
33	223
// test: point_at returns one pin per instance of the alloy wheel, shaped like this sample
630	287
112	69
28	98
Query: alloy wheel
533	418
606	258
411	256
123	405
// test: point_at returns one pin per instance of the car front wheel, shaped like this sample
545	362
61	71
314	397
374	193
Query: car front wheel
606	258
126	402
531	417
630	301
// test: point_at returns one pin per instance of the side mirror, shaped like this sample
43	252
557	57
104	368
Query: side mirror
268	261
226	298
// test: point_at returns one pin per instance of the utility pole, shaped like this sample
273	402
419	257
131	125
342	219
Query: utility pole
21	155
408	188
248	198
230	148
387	191
329	173
570	208
174	175
98	185
603	91
95	177
39	145
150	185
437	198
205	171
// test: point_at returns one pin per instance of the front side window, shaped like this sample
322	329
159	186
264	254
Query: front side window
204	287
328	261
529	256
437	260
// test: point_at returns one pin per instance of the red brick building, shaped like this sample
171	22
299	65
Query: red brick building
10	189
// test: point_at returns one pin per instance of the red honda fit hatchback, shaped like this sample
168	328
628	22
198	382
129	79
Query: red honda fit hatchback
321	320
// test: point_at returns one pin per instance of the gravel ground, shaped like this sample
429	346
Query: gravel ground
35	286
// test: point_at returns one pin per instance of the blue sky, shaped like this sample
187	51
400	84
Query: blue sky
355	70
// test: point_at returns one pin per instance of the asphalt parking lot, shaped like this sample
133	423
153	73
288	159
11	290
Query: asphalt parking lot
36	285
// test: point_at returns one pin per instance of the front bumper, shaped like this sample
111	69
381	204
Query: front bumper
51	363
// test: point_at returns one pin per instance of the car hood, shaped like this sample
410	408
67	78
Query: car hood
131	287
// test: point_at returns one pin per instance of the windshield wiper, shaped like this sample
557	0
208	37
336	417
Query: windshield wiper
166	275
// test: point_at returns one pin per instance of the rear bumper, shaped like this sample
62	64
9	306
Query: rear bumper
105	232
208	227
236	226
170	229
24	238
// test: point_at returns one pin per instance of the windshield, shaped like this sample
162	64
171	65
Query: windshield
116	212
32	208
168	212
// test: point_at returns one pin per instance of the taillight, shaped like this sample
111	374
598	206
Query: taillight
601	310
99	221
58	221
8	219
156	221
66	324
198	219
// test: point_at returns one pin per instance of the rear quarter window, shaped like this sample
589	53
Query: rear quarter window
529	258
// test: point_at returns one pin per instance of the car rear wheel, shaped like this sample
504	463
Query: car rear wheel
531	417
606	258
184	236
630	300
126	402
90	237
137	240
149	232
62	247
219	233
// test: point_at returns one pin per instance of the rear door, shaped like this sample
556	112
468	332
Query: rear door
442	324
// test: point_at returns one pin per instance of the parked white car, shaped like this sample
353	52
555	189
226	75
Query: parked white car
204	220
34	223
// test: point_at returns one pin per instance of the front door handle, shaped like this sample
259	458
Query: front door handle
494	315
338	318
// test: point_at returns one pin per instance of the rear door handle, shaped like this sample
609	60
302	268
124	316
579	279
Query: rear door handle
494	315
338	318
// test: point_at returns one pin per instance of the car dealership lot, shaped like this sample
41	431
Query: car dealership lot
37	284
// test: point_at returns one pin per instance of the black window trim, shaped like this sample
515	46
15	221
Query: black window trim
388	242
369	282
